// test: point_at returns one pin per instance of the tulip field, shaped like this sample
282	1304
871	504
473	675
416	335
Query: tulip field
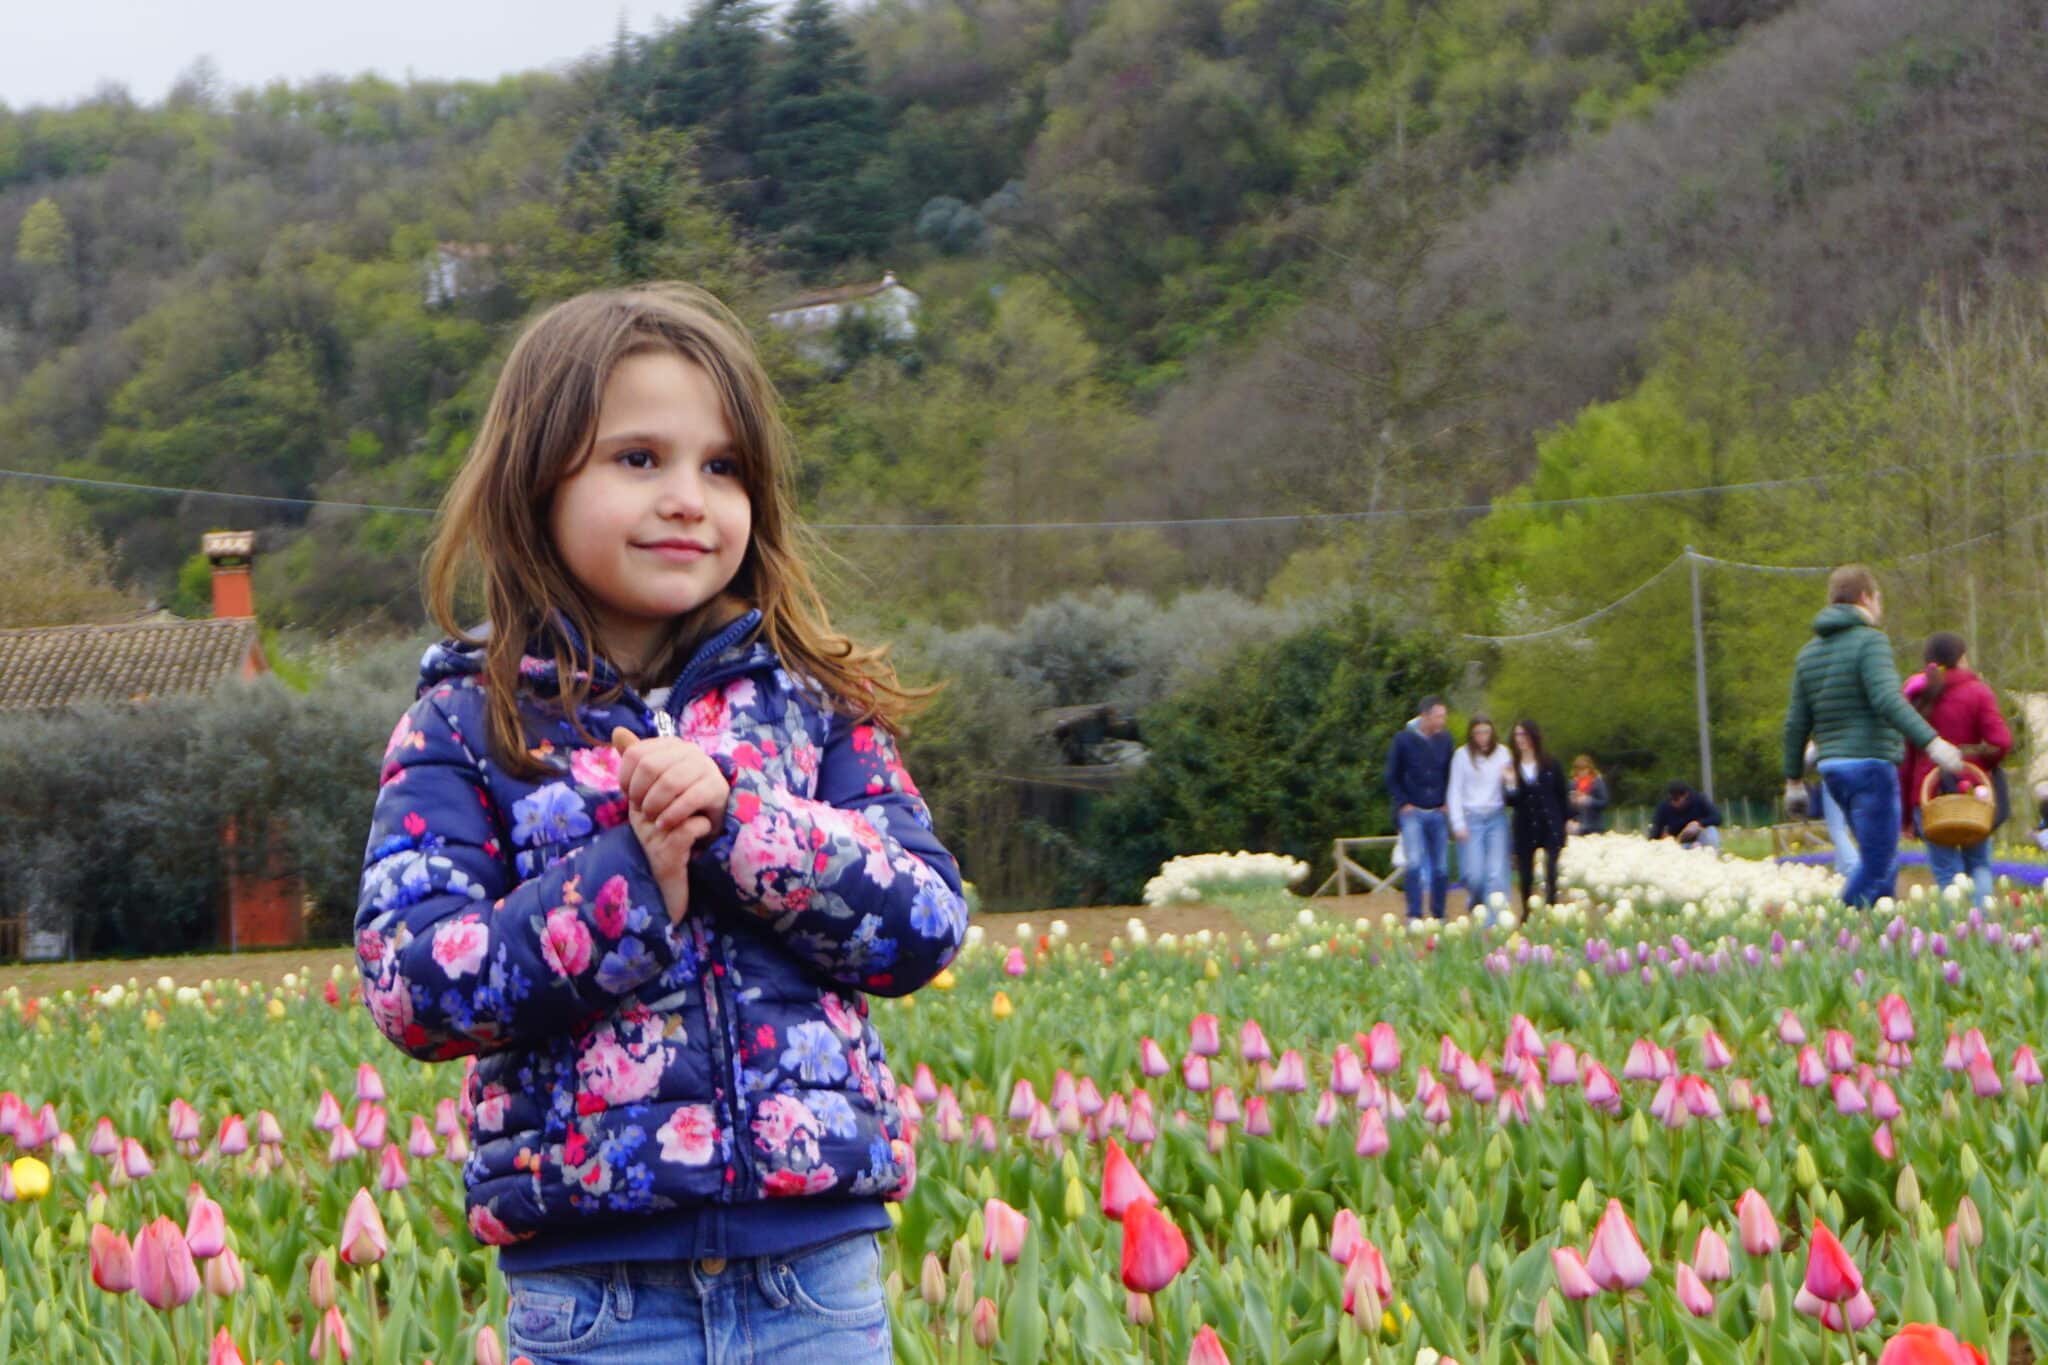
1694	1112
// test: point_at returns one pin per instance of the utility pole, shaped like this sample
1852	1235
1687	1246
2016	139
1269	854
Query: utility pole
1699	672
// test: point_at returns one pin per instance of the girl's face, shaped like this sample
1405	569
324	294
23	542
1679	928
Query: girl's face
1522	740
656	521
1481	736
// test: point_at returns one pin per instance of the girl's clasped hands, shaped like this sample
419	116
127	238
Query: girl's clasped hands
676	797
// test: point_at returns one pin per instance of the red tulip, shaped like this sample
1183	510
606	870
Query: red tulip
113	1260
1616	1260
165	1275
1122	1186
1154	1250
1831	1277
363	1240
1207	1350
1922	1343
1003	1230
1755	1225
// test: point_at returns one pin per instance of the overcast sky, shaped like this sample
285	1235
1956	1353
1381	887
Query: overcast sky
57	51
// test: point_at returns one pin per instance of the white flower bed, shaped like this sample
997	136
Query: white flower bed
1627	869
1201	876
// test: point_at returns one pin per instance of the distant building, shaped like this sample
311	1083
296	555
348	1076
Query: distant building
812	318
55	668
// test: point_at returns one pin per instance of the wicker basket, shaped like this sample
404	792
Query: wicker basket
1956	819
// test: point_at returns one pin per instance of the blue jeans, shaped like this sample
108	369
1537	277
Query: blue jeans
825	1303
1847	860
1426	856
1948	863
1867	790
1483	856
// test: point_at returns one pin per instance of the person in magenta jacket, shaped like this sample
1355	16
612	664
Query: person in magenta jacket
1963	710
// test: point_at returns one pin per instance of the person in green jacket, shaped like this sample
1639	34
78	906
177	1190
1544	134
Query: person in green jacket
1846	697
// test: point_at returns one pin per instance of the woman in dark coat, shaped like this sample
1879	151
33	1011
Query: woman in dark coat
1536	789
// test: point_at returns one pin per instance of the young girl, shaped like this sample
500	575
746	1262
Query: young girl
652	956
1536	790
1479	814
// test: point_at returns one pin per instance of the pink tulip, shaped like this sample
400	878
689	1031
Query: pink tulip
205	1229
1003	1230
1790	1031
456	1152
1883	1143
1327	1107
1710	1259
1840	1050
342	1147
1849	1099
320	1282
1574	1281
1372	1134
1345	1236
1895	1019
1347	1073
445	1118
1564	1064
489	1351
1616	1260
922	1085
105	1141
269	1131
1155	1250
327	1114
1984	1082
135	1162
1251	1043
1258	1117
1223	1106
165	1275
1142	1128
113	1260
1204	1035
1755	1227
1714	1053
363	1240
369	1125
1207	1350
233	1138
1290	1074
1152	1059
332	1331
1952	1058
1884	1101
1694	1295
1383	1049
1761	1107
1023	1101
2025	1069
1013	963
369	1085
1068	1118
391	1172
223	1351
184	1122
420	1144
1512	1108
1219	1136
1831	1276
1194	1071
1436	1108
1642	1062
224	1274
1367	1267
1812	1072
1600	1089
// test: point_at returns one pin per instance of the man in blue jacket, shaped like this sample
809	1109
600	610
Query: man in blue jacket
1418	781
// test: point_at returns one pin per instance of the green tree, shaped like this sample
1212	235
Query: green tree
822	145
54	571
45	238
706	77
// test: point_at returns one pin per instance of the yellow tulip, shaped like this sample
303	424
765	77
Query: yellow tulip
1000	1006
945	980
152	1021
1210	969
275	1009
31	1178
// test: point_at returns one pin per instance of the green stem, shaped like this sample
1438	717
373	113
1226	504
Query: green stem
1628	1327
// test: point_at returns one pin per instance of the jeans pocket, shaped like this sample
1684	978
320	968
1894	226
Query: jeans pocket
839	1283
555	1310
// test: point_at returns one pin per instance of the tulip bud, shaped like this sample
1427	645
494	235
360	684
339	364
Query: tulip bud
1543	1323
1477	1295
1767	1306
1969	1222
1907	1195
1966	1163
1596	1351
963	1291
1804	1169
931	1281
985	1324
1639	1131
1137	1308
489	1351
320	1282
224	1274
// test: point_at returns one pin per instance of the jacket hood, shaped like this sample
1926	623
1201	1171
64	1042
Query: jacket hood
1837	617
455	659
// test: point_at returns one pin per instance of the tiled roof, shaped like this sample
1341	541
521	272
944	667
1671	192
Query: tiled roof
49	667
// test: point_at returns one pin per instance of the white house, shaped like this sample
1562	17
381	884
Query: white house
811	318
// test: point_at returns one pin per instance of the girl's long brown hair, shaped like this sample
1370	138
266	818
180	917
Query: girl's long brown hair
538	432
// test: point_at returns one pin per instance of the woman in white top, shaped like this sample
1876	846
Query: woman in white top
1477	805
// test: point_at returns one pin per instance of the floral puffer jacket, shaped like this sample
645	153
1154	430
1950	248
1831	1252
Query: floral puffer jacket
626	1065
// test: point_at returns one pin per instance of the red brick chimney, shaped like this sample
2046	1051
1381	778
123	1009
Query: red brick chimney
231	553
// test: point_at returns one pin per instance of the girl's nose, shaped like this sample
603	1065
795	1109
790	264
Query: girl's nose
682	495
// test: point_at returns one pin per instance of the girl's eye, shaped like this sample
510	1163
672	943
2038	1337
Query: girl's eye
636	458
724	466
